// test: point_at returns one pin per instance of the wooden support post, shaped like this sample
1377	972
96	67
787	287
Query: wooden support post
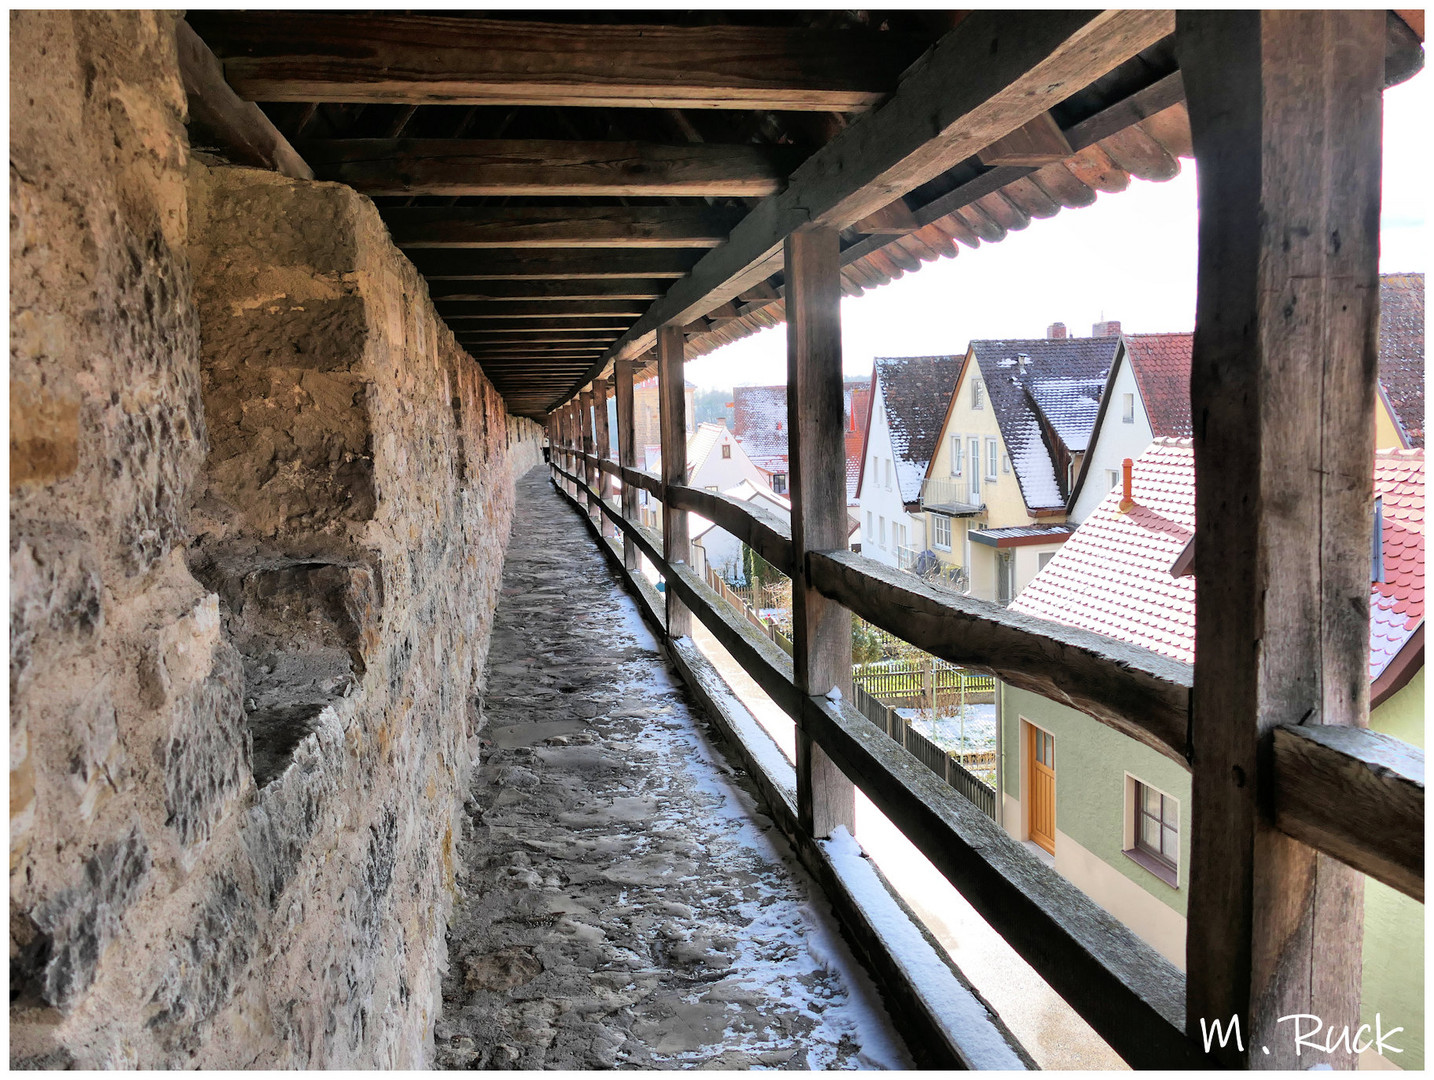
1285	114
588	472
672	418
821	637
570	414
603	438
627	454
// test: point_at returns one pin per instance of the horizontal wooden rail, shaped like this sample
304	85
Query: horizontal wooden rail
1130	994
760	529
1376	824
1121	986
1138	692
645	480
612	468
1067	937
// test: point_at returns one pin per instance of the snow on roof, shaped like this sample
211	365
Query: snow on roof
1070	407
1057	363
701	442
1401	350
1161	364
1113	575
759	421
915	391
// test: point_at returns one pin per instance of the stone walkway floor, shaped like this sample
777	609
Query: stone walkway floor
624	903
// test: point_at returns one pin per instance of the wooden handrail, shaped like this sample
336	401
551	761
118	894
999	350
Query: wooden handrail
1377	823
1138	692
760	529
639	479
1120	985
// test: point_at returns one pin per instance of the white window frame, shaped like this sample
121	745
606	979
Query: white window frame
956	460
870	527
881	531
1113	475
991	455
1134	848
978	394
940	523
1127	411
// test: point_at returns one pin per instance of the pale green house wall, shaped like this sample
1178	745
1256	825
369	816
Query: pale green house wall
1091	763
1393	923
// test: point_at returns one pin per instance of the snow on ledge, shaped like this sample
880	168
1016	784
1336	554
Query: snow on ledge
969	1024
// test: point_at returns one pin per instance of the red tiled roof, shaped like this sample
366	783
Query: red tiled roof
759	421
1161	363
1396	605
1401	350
1113	576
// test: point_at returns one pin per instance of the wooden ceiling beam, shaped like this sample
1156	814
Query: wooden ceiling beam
983	80
473	324
530	310
559	338
554	292
427	59
561	226
543	167
581	264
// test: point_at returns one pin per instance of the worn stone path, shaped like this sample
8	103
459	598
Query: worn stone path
623	900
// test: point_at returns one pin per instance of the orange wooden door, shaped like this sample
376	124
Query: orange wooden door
1043	788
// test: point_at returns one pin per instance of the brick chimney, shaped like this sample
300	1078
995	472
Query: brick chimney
1056	331
1109	328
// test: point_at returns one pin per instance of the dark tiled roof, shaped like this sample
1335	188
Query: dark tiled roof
1060	370
1401	350
1161	363
915	391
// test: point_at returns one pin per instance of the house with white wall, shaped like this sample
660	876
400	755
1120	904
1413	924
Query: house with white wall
716	462
909	395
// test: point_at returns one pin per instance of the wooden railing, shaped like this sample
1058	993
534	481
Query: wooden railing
1124	989
1285	126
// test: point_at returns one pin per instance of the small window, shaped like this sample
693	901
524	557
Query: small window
1127	415
978	394
1155	841
881	530
726	450
941	532
955	455
713	488
888	474
992	451
1112	477
870	526
1043	558
1006	463
779	483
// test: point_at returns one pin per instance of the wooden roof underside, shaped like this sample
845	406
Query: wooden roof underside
569	181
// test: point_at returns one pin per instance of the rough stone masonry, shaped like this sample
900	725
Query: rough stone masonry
259	502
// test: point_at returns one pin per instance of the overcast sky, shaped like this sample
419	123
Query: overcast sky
1130	256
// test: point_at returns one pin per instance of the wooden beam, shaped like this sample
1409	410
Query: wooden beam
821	627
578	264
556	292
1376	821
561	226
546	167
1039	141
437	60
602	440
238	126
478	324
984	79
626	454
1285	114
1138	692
554	337
538	309
761	530
672	419
585	422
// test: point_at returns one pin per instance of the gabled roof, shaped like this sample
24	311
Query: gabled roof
1401	350
1161	365
759	421
1060	371
1113	576
700	444
915	392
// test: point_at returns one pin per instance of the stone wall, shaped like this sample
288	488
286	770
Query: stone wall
259	500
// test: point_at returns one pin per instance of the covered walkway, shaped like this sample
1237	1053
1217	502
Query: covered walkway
624	900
